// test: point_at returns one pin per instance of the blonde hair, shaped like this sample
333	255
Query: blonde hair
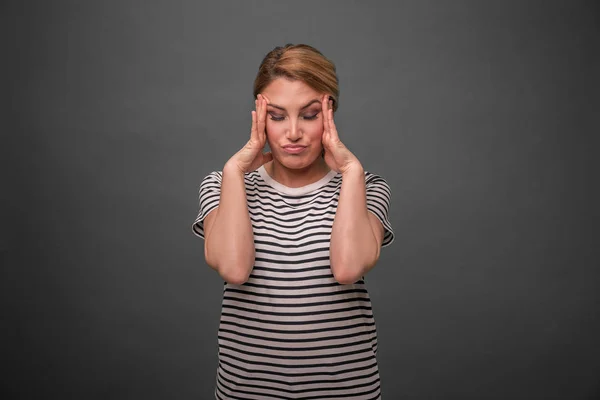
299	62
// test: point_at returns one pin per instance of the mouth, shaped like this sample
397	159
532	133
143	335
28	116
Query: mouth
293	149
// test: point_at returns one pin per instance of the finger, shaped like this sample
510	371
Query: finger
253	131
257	102
261	113
264	106
325	140
257	116
265	112
324	111
331	123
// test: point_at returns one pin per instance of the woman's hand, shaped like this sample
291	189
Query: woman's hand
251	156
337	156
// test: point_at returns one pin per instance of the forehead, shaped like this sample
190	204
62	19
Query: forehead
289	93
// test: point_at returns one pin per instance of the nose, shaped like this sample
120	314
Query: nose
294	132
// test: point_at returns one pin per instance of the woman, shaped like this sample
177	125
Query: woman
292	232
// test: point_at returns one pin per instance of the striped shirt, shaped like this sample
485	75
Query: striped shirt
291	331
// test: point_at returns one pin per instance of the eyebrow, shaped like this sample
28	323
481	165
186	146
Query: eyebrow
302	108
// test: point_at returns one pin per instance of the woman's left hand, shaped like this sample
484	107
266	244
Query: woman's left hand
337	156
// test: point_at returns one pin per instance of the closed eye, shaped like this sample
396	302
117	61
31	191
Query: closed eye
311	117
276	117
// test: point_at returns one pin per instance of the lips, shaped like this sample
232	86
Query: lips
293	149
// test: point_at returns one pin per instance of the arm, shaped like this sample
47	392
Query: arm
357	234
229	238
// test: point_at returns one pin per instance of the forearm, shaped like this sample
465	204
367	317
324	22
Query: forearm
353	248
230	242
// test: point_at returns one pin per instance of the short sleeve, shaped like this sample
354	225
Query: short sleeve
209	195
379	195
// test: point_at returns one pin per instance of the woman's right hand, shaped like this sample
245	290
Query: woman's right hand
251	156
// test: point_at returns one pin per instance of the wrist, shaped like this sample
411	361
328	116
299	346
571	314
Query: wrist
354	169
232	168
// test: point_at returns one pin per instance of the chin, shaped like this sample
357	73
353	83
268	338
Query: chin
297	163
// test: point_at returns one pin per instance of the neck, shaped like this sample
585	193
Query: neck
295	178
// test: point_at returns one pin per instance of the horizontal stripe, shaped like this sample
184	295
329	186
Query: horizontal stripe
296	242
328	396
290	357
289	350
303	331
302	228
291	331
296	321
299	287
329	387
371	363
296	340
290	278
271	366
296	314
233	371
304	261
283	296
323	267
312	304
293	253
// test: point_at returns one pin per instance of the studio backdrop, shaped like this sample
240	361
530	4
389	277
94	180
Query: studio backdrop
482	116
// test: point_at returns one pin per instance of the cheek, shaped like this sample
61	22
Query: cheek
312	128
315	130
273	130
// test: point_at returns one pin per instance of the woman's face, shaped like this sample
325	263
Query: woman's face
294	123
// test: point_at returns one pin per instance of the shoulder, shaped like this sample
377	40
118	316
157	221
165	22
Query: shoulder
373	179
214	176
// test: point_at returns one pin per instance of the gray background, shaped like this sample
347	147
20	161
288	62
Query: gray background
482	116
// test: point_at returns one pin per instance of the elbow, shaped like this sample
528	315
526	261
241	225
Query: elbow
210	261
235	272
346	276
234	277
346	279
350	272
